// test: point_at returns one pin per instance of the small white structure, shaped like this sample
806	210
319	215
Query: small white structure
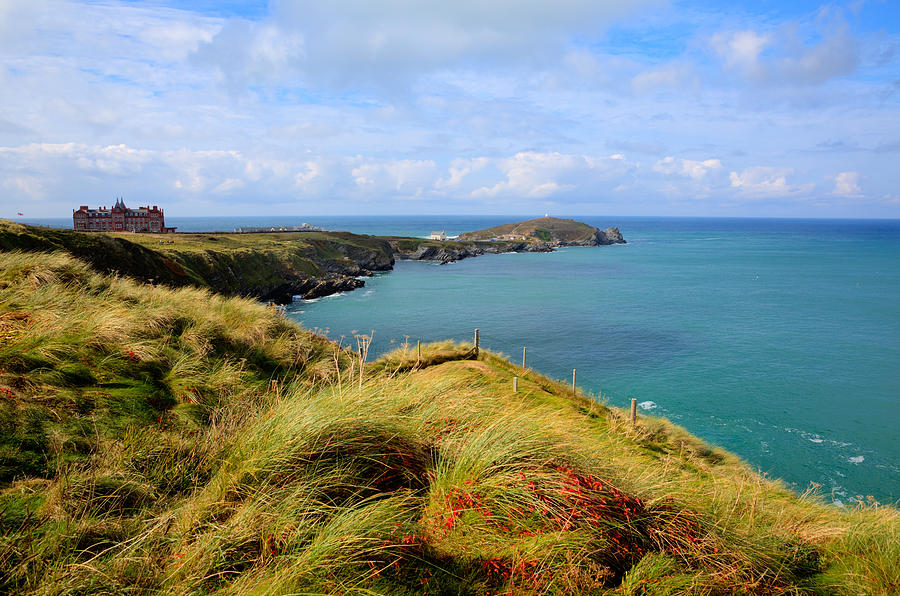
441	235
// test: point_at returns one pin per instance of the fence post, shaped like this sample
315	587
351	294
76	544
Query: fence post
515	384
633	411
476	342
524	349
573	381
418	350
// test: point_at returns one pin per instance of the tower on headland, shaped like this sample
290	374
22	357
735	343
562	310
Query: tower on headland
120	218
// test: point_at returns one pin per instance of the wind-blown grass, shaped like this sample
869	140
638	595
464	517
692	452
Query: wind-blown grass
173	441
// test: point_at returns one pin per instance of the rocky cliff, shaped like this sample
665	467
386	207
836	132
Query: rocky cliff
270	267
538	235
276	267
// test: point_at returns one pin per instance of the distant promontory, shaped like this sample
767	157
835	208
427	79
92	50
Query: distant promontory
551	230
544	234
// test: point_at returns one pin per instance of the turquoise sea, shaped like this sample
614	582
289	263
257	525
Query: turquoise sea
776	339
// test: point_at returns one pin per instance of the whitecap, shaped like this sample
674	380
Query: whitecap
857	459
647	405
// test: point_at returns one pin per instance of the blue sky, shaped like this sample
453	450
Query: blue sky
625	107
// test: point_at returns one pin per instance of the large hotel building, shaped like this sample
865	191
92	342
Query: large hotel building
120	218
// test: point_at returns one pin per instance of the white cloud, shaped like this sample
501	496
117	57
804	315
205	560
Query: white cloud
783	58
846	184
537	175
741	49
407	176
505	100
228	185
680	77
25	187
767	182
696	170
347	43
460	168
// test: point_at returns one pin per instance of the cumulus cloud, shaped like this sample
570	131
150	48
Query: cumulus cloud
846	184
696	170
741	49
406	176
507	102
783	58
538	175
767	182
357	42
459	169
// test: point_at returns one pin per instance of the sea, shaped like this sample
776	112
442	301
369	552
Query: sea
777	339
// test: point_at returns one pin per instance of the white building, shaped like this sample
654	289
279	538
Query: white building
441	235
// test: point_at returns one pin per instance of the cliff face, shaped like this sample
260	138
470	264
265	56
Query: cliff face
607	237
273	267
538	235
449	251
277	267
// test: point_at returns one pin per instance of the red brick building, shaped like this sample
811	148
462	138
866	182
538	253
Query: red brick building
120	218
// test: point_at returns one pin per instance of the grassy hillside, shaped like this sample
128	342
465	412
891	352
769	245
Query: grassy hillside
267	266
173	441
543	229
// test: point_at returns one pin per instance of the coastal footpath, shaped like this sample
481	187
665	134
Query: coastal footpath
158	440
277	267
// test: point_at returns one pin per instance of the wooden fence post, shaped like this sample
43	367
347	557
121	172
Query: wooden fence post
633	411
476	342
524	349
418	350
515	384
573	381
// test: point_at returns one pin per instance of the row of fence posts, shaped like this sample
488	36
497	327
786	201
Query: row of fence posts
516	378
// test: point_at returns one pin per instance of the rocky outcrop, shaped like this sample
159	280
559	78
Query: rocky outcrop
450	251
310	288
607	237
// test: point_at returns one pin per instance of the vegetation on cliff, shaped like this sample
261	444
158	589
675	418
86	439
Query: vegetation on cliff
278	266
550	230
266	266
174	441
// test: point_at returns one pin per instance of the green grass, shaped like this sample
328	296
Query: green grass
175	441
229	264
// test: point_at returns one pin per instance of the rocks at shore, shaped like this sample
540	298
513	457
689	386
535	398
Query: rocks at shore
607	237
450	251
555	233
310	288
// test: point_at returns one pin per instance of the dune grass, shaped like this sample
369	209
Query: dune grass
173	441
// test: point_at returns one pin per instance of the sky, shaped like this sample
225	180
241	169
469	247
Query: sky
750	108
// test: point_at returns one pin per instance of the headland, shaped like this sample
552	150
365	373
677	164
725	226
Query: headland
276	266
